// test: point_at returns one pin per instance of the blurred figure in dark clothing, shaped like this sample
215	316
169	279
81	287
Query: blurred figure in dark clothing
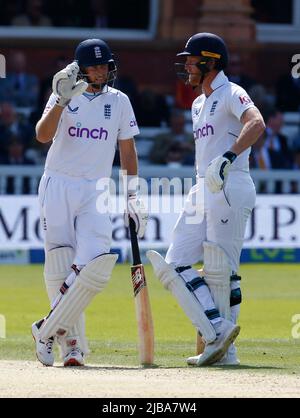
177	135
19	87
272	151
152	109
15	153
288	93
11	126
128	86
236	74
33	15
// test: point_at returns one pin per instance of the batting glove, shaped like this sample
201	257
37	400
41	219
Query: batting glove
137	211
65	86
217	171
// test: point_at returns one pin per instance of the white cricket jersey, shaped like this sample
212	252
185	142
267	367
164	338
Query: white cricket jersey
216	123
86	138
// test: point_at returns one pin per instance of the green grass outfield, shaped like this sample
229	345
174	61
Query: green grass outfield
271	295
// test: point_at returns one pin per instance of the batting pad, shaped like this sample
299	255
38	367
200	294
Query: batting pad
191	306
217	276
58	264
90	281
57	268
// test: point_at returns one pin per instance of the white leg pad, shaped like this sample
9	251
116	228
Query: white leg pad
191	306
217	273
91	280
57	268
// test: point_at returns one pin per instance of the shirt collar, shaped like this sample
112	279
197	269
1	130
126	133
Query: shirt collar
219	80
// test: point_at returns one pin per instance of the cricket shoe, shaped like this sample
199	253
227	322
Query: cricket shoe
213	352
43	348
230	358
74	358
75	355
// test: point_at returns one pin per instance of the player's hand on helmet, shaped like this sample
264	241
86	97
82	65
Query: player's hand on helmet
217	171
137	211
65	84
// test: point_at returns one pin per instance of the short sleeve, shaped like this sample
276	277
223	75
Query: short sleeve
51	102
128	126
239	101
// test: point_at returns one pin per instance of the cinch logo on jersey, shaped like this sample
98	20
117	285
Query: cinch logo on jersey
133	123
79	132
204	131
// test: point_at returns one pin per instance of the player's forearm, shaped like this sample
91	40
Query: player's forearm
128	157
47	125
250	133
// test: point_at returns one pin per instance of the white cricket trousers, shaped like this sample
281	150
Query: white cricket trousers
222	220
69	216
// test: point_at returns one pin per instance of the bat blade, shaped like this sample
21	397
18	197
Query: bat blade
143	315
200	344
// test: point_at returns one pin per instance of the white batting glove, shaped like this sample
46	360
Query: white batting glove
137	211
217	171
65	86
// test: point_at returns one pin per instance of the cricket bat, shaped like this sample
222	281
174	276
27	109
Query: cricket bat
142	302
200	345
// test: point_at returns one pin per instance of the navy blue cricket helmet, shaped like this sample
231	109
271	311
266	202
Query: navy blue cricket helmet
95	52
207	46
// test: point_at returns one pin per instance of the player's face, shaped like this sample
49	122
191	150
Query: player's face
97	73
192	70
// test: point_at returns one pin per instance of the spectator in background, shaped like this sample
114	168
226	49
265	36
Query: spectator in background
15	153
152	109
263	99
9	9
33	15
175	155
235	72
15	156
19	87
272	151
12	127
128	86
98	14
174	141
288	93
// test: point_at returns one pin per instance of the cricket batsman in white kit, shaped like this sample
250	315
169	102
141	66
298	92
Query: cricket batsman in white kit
86	118
225	124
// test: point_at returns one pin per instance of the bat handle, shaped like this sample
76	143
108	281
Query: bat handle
134	243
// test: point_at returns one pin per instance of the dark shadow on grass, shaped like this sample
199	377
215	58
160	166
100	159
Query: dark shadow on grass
161	366
108	367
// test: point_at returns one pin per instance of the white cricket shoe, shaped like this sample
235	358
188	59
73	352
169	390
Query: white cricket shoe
75	355
43	348
214	351
230	358
74	358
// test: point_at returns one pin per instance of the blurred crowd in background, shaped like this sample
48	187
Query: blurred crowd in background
23	97
167	138
75	13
